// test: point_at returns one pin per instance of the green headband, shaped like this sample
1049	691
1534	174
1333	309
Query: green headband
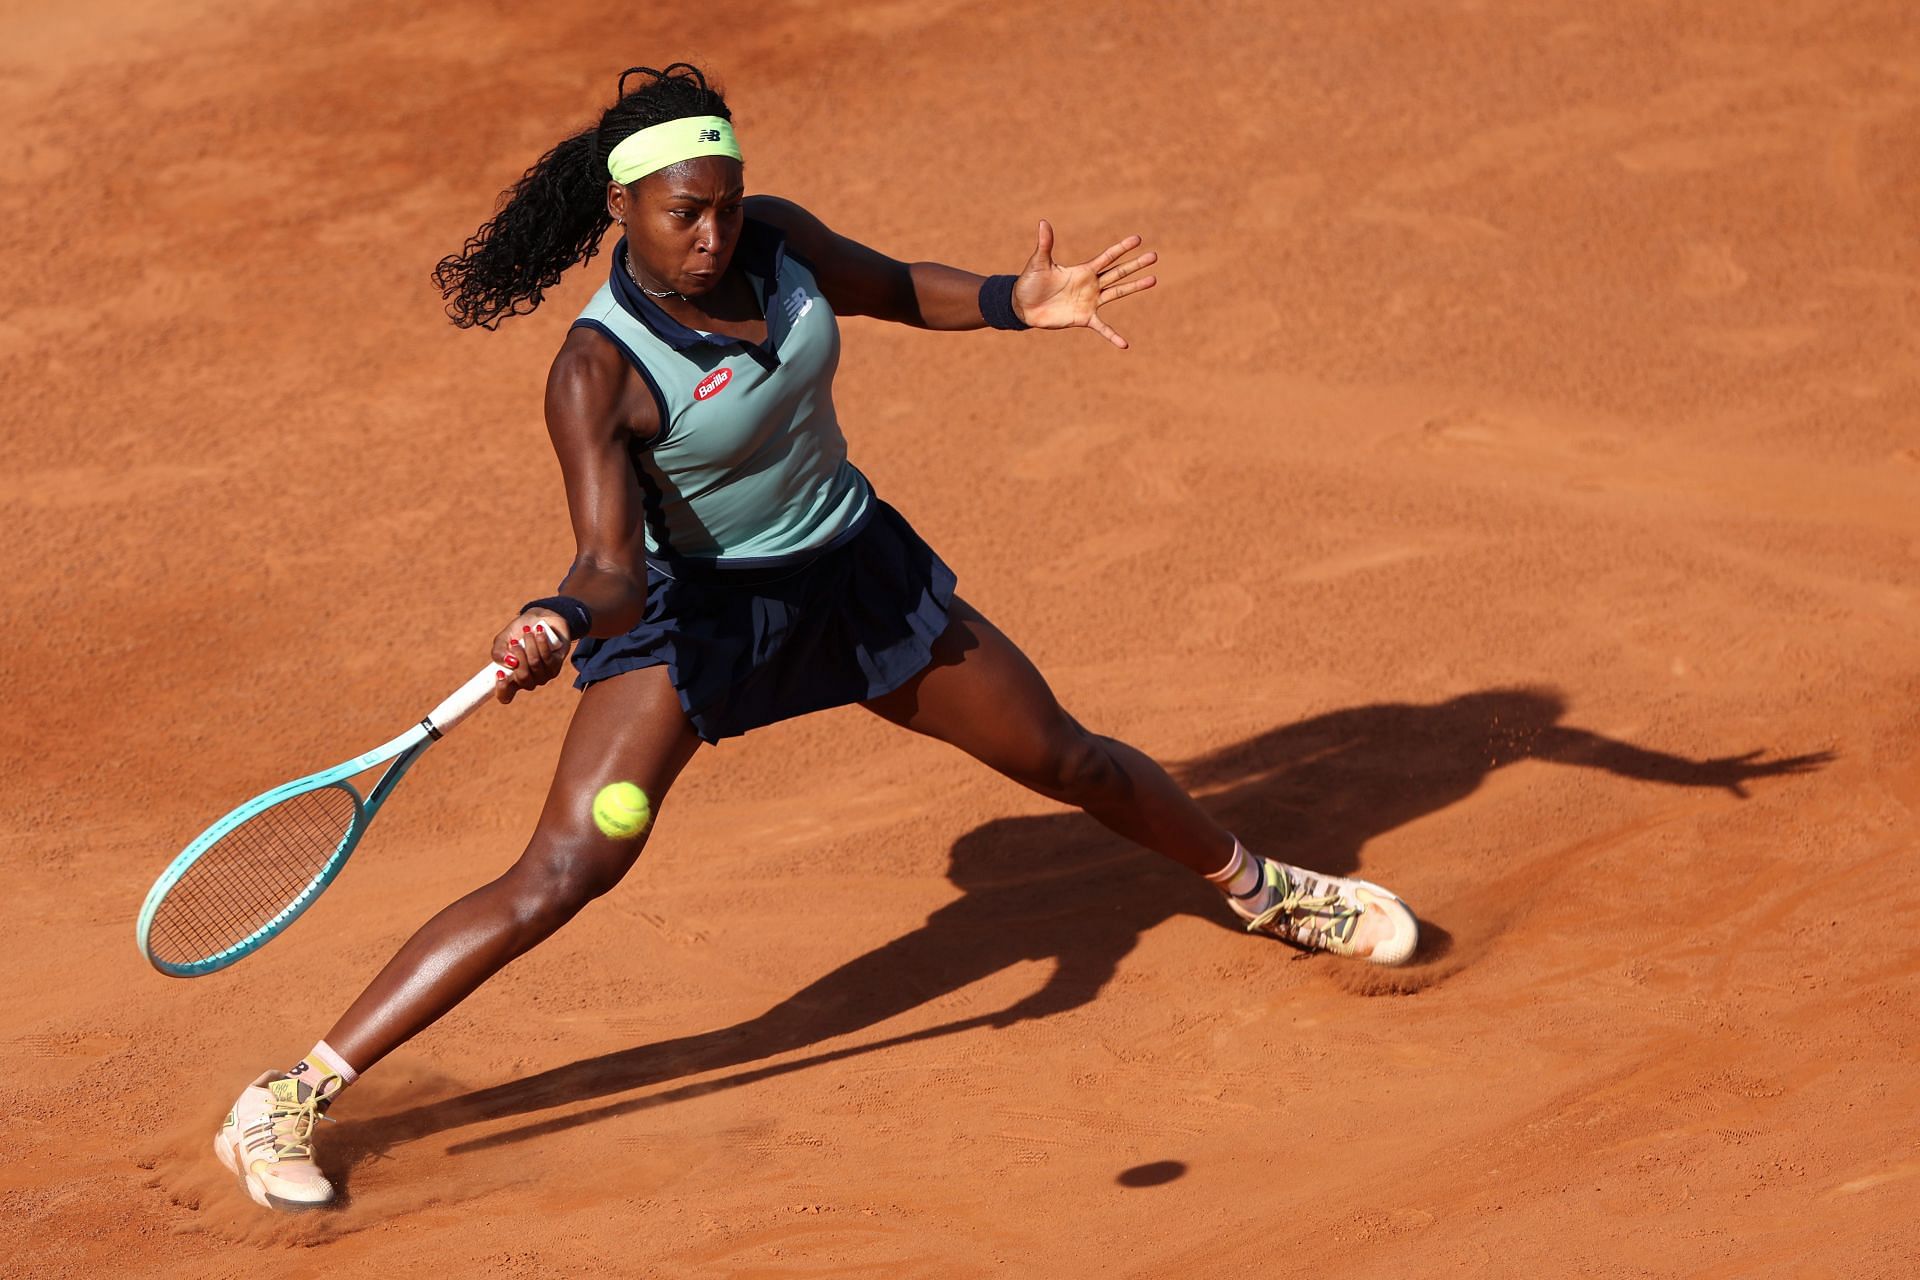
653	149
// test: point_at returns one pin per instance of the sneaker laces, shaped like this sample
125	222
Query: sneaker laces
1310	918
287	1127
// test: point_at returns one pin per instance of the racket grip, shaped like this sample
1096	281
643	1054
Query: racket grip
472	695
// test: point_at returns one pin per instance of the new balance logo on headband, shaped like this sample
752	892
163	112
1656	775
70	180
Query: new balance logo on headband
709	135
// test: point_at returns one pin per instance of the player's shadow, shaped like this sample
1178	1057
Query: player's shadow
1059	888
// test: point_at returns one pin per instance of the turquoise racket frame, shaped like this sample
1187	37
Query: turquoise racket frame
402	751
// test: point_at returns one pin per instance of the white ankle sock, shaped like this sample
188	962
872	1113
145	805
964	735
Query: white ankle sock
325	1071
1243	882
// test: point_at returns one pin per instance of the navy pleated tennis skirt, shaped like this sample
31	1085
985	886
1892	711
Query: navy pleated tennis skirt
749	647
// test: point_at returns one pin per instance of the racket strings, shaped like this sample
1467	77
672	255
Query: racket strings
251	874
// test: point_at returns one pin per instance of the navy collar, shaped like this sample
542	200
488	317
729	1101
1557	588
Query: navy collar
760	253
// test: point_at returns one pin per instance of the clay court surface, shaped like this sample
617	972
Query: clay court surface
1513	493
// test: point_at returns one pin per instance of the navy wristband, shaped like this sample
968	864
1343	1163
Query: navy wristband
574	613
996	303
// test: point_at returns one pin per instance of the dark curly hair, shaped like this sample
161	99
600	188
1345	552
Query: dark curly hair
555	215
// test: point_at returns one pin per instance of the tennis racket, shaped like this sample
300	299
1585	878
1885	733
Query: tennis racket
248	876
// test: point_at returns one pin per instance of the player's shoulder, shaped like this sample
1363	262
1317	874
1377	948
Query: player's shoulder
587	382
804	232
777	210
586	360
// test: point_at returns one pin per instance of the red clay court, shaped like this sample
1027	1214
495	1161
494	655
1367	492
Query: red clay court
1522	437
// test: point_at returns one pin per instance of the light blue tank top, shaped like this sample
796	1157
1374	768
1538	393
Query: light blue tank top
749	468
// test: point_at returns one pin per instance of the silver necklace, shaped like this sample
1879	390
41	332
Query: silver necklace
634	276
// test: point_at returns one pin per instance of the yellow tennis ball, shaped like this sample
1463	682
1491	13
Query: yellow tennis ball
621	810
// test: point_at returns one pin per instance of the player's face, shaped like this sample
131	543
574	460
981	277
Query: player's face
684	222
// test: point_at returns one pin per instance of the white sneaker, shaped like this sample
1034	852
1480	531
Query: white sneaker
268	1141
1329	913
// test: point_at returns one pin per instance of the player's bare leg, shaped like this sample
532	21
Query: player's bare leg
629	728
983	695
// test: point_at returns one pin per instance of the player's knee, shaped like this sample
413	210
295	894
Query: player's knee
560	874
1077	767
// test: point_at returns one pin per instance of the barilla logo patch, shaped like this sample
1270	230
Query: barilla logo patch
711	385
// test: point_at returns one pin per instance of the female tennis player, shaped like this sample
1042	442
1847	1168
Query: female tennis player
734	568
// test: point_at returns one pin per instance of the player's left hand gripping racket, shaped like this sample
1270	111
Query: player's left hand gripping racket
250	875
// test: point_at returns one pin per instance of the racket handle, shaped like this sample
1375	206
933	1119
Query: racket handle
474	694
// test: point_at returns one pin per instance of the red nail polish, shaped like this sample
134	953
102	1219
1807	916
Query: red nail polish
499	675
514	663
525	630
